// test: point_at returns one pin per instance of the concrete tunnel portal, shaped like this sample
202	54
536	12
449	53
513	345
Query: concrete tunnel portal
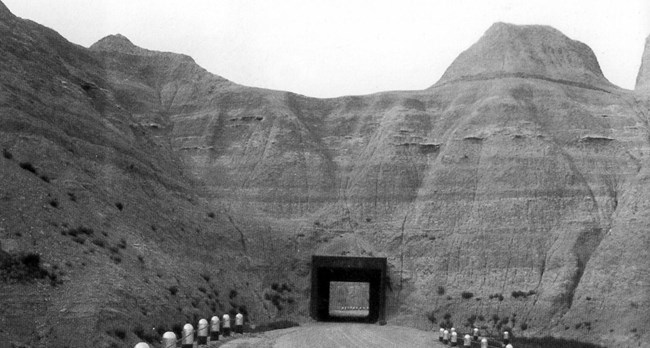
336	280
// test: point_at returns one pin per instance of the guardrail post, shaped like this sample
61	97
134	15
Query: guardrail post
188	336
454	339
214	328
506	337
169	340
467	341
141	345
440	333
226	325
484	343
445	337
509	345
202	332
475	332
239	323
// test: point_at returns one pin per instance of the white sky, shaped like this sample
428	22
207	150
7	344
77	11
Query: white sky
327	48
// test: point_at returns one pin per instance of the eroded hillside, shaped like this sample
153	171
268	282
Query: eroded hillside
510	193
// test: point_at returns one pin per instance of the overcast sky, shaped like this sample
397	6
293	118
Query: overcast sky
327	48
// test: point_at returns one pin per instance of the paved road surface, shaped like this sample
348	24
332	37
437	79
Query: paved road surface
340	335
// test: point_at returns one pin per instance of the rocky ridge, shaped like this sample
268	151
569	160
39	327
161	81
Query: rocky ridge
518	178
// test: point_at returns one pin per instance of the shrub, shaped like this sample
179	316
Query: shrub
441	290
122	244
45	178
54	203
233	294
431	316
523	326
466	295
141	258
202	289
205	276
173	289
78	231
117	259
99	242
72	196
119	206
6	154
28	167
22	268
119	333
79	239
211	215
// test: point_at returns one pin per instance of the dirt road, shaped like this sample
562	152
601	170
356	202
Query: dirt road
335	335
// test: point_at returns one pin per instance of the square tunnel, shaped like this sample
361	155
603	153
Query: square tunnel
328	269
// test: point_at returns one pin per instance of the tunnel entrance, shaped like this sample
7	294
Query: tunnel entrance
348	288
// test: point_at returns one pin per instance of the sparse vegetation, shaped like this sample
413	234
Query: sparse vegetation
54	202
441	290
550	342
119	206
173	290
211	215
466	295
276	325
45	178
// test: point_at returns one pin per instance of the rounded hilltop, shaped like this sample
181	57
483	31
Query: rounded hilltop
527	51
117	43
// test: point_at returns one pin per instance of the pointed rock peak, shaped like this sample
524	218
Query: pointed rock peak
526	51
643	78
116	43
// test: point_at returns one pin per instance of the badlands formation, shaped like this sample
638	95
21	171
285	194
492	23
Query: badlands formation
514	192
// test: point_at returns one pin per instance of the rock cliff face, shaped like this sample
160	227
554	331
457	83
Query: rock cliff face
520	178
643	79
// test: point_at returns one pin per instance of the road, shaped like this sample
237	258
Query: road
340	335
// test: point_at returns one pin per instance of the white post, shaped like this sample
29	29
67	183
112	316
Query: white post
452	330
239	323
141	345
214	328
226	325
454	339
509	345
484	343
202	332
467	341
445	337
476	332
188	336
440	334
506	337
169	340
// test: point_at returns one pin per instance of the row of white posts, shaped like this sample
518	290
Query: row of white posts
187	337
450	337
